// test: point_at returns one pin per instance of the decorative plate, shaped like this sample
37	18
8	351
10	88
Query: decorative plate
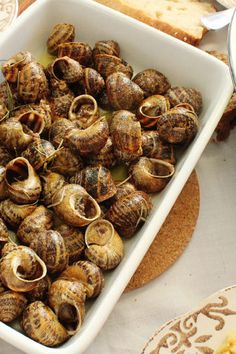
201	331
8	12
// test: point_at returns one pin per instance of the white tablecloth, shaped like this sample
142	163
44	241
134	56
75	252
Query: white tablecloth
207	264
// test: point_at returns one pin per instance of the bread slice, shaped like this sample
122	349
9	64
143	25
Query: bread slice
179	18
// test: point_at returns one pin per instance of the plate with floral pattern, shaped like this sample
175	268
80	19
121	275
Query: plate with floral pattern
8	13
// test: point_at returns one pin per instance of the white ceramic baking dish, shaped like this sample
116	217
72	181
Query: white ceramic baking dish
143	47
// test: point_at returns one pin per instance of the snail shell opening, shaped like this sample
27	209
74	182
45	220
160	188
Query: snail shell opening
84	110
32	121
99	232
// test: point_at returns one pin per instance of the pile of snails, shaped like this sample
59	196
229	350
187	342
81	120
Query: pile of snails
62	129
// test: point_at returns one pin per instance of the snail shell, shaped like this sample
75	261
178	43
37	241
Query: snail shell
41	324
79	51
90	140
40	292
151	175
3	232
8	95
32	83
66	297
178	125
61	33
2	287
5	156
152	82
84	111
191	96
151	108
105	157
93	82
122	92
65	162
97	181
58	88
106	47
74	241
75	206
4	111
7	248
38	153
127	213
107	64
3	188
87	273
126	135
154	147
104	245
122	190
14	65
13	214
103	101
50	246
23	184
52	182
41	218
67	69
12	305
58	130
21	269
60	106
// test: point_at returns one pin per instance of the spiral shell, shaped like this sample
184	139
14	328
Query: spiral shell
21	269
40	291
51	183
32	83
151	108
23	184
191	96
84	111
107	64
105	157
123	189
2	287
178	125
4	111
104	245
60	106
14	65
93	82
41	324
74	241
3	188
152	82
41	218
151	175
126	135
13	214
38	153
12	305
106	47
122	92
5	156
127	213
50	246
58	131
87	273
65	162
67	69
66	298
61	33
7	248
79	51
58	88
97	181
75	206
103	101
3	232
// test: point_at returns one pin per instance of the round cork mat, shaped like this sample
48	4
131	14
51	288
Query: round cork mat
172	238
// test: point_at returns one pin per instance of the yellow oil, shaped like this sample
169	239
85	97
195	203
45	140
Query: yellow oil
45	59
119	172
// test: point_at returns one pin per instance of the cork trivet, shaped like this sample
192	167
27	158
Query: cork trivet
173	237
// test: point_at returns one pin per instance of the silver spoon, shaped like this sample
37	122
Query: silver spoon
218	20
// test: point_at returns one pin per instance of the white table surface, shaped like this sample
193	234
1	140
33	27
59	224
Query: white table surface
207	264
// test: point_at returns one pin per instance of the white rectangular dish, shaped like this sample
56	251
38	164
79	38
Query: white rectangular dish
143	47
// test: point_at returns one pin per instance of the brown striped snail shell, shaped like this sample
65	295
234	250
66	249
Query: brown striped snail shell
67	297
41	218
152	82
128	213
97	181
58	88
83	111
150	109
8	94
4	111
40	292
87	273
123	189
32	83
7	248
58	130
104	245
105	157
51	183
126	135
75	206
191	96
60	106
65	162
41	324
23	184
3	187
93	82
122	92
154	147
2	287
14	65
79	51
38	153
67	69
21	269
106	47
5	156
12	305
178	125
103	101
61	33
90	140
107	64
13	214
3	232
74	241
151	175
50	247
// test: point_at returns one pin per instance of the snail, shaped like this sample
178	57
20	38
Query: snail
40	291
7	248
15	64
107	64
65	162
178	94
93	82
4	111
79	51
13	214
58	88
109	47
3	232
150	109
51	183
38	153
105	156
60	106
12	305
58	131
123	189
61	33
3	188
83	111
152	82
67	69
